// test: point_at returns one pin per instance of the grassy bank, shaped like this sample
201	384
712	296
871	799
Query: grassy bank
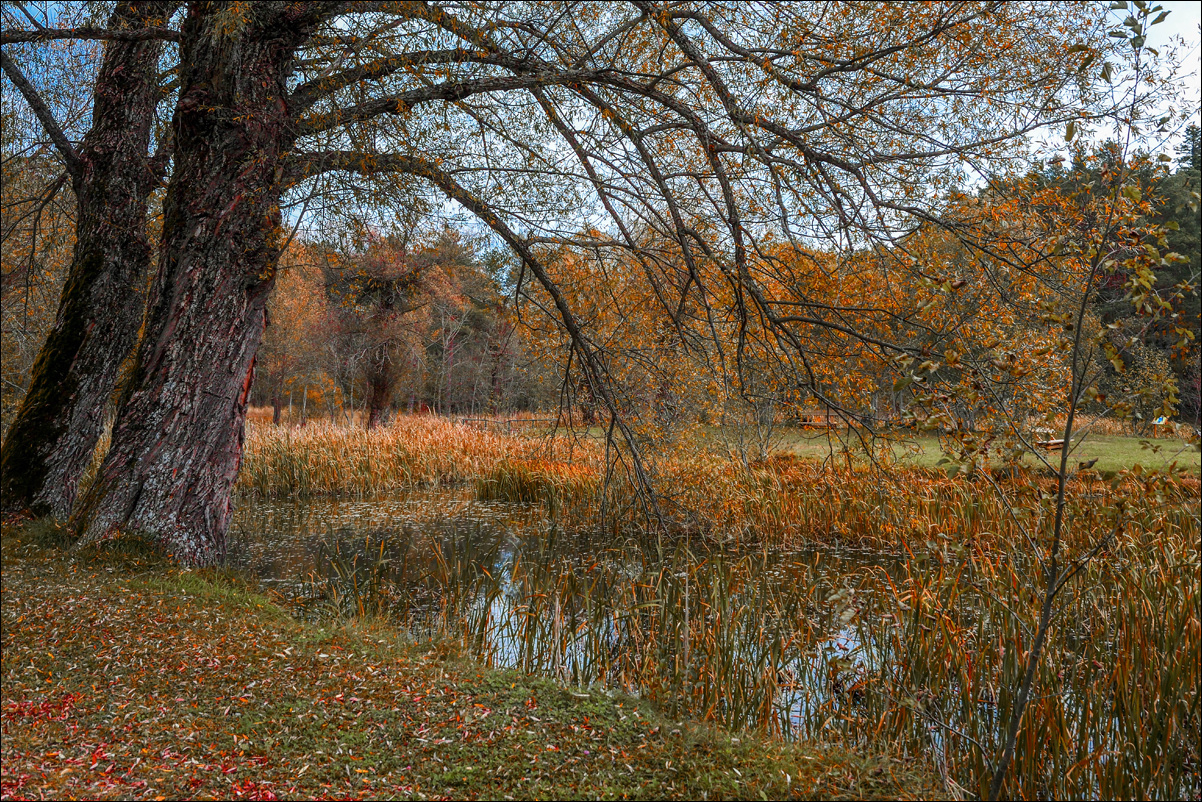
123	677
1109	452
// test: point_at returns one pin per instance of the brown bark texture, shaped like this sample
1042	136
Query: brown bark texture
379	397
177	440
54	435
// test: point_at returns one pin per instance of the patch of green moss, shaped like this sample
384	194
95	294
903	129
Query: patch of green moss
48	533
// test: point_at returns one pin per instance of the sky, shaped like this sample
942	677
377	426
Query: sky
1182	22
1180	29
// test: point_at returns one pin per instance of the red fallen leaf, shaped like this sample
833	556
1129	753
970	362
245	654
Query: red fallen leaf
50	711
9	788
249	789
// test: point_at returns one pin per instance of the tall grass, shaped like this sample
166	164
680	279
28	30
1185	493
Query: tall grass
917	656
561	486
787	501
1116	710
328	460
783	501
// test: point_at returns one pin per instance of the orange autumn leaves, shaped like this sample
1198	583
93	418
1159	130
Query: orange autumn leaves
964	324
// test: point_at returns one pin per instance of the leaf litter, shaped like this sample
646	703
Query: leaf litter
125	677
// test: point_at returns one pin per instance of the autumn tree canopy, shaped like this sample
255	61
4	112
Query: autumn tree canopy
698	146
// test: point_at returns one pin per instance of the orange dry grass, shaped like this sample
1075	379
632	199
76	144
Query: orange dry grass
784	500
805	503
324	459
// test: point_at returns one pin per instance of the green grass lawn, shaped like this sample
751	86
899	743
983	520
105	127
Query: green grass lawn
123	677
1112	453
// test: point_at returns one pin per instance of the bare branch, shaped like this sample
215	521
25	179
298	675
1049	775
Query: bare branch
64	146
103	34
446	91
310	92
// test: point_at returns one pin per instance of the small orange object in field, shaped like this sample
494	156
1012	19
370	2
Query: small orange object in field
815	419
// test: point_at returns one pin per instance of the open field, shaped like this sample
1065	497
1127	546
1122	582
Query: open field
1114	446
1112	452
161	683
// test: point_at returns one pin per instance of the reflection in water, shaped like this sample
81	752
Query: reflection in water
840	647
760	638
279	541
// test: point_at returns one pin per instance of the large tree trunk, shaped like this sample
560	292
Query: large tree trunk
61	417
379	396
177	442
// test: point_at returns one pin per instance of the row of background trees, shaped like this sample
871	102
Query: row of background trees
396	322
426	319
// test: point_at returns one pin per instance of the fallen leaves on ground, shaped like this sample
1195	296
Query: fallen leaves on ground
128	678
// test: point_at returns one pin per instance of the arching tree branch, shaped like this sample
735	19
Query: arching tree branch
444	92
104	34
64	146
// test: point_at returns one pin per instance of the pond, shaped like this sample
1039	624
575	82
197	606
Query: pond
914	656
757	637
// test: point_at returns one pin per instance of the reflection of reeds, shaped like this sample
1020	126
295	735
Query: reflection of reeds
918	657
356	583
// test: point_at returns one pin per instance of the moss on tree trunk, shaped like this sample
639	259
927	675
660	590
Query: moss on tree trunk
177	440
54	434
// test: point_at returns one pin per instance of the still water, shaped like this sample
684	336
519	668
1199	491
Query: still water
731	629
836	646
280	541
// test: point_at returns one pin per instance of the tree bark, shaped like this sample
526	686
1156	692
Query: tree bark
61	417
177	442
379	396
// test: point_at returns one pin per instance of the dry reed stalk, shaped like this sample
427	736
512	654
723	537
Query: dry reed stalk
785	501
324	459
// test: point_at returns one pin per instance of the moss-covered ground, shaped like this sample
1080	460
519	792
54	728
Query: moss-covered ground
126	677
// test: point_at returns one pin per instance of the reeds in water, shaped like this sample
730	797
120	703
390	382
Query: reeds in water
779	501
322	459
918	654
